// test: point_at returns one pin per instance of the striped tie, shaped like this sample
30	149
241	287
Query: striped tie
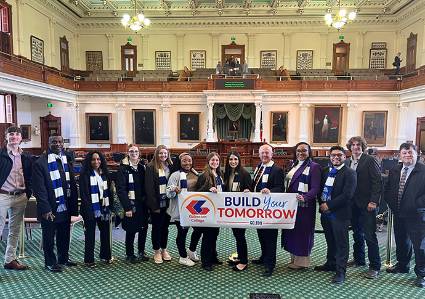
258	176
401	186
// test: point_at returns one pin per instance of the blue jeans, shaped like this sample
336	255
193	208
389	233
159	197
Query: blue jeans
364	229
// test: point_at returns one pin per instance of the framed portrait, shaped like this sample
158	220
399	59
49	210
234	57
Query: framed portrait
37	49
326	125
198	59
144	127
279	127
188	127
98	128
234	126
26	132
375	127
163	60
268	59
304	59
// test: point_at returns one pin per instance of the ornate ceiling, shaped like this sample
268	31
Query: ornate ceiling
213	9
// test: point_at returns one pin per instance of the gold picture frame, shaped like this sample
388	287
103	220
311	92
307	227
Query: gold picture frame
374	127
98	128
327	120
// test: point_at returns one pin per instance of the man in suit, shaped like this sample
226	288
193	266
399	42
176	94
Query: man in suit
366	201
15	183
339	183
273	184
405	194
57	200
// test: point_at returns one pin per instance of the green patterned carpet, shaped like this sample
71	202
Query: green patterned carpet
172	280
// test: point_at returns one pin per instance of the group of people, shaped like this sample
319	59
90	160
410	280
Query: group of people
232	67
348	192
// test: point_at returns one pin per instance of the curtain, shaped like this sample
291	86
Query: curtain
225	114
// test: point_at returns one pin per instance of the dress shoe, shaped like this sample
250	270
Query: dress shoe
107	261
132	259
217	262
371	274
420	282
268	272
68	263
15	265
54	268
232	262
296	267
355	264
207	267
397	269
258	261
339	278
235	268
142	257
90	265
325	268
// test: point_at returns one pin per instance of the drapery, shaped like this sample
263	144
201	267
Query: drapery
225	114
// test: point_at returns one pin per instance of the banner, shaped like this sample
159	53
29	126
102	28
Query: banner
237	209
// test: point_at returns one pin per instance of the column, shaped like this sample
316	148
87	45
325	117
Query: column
304	122
74	130
20	30
352	123
359	50
77	52
165	136
421	60
251	50
257	130
121	123
180	51
323	50
286	49
145	52
397	46
210	129
111	52
53	44
215	49
402	121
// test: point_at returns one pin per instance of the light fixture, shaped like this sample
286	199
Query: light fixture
136	22
340	18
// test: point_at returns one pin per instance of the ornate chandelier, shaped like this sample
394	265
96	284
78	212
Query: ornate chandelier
135	22
340	18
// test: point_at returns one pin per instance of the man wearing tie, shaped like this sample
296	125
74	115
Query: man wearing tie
339	183
405	195
268	178
366	200
57	200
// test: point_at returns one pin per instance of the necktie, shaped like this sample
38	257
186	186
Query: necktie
401	186
258	176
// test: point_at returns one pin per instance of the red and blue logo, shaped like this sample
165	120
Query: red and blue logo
195	207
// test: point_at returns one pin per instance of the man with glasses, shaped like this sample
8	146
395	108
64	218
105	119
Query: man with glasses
15	182
57	200
338	186
405	194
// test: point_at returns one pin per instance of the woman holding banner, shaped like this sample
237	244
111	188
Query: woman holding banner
210	181
303	178
182	180
237	179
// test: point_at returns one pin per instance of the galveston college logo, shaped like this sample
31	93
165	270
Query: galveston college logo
195	207
200	207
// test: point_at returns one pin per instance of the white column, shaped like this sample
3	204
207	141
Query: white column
402	121
121	123
180	51
421	60
257	130
111	52
215	49
304	122
77	52
74	131
145	52
287	50
165	136
251	50
352	123
359	48
20	30
323	50
53	43
210	129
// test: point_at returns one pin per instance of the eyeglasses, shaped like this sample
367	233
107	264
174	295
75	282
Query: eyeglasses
336	155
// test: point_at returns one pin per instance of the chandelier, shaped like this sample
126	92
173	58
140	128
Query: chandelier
340	18
135	22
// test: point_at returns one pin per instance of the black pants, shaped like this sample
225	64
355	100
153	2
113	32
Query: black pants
336	234
160	223
60	230
194	238
268	243
141	241
241	246
105	245
410	232
364	229
209	245
181	239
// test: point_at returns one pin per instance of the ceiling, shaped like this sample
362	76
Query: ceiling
158	9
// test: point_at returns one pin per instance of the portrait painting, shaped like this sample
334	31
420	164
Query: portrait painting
26	133
375	127
234	126
326	125
144	127
99	128
279	127
188	127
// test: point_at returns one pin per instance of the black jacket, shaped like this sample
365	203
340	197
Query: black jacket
342	192
274	182
245	181
152	188
86	209
413	199
122	183
6	167
369	182
43	188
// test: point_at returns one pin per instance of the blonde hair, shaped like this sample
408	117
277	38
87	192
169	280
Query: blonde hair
156	162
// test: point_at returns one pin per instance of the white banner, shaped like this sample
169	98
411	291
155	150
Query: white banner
237	209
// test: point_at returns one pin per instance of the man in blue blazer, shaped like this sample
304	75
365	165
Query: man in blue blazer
338	186
405	194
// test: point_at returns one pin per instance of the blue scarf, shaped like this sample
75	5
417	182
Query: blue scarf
219	183
304	182
162	188
55	177
265	177
183	180
327	189
104	211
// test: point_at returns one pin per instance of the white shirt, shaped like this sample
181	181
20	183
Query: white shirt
409	170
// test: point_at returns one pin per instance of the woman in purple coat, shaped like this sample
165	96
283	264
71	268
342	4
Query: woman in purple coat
304	179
